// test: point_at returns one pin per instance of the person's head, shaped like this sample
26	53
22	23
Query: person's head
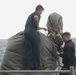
39	9
66	36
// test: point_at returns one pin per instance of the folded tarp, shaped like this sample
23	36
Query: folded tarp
55	22
15	52
55	28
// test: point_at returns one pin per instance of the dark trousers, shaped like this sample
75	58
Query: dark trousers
66	68
32	45
63	68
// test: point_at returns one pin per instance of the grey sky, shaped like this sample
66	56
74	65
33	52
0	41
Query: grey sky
14	13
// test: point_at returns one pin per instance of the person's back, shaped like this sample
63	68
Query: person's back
30	24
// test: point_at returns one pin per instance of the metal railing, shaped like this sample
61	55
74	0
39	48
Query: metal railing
71	71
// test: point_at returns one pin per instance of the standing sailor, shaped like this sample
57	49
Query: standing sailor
31	34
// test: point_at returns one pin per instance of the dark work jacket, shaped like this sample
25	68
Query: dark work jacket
30	24
68	56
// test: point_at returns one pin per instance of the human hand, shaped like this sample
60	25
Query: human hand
57	53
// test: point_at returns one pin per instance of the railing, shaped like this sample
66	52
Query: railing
71	71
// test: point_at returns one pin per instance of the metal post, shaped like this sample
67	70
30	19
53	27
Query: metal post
75	70
72	72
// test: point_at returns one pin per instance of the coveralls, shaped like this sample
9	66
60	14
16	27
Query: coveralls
68	55
32	42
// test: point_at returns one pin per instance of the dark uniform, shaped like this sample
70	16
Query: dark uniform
68	56
32	38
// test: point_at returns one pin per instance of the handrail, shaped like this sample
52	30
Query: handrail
71	71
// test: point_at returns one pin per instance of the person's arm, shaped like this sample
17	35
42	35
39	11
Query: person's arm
36	20
67	53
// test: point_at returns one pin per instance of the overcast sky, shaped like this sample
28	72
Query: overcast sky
14	13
